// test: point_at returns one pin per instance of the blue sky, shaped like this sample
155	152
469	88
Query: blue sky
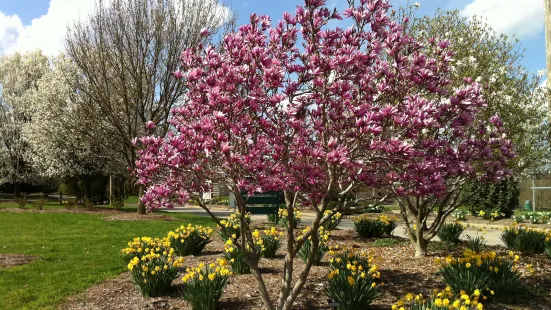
31	24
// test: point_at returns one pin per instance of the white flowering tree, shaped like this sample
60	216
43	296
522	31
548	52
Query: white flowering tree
19	76
65	135
493	60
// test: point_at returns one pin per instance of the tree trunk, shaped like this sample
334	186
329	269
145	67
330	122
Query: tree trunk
420	247
141	206
16	189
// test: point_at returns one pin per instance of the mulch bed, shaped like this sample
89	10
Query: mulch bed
399	270
10	260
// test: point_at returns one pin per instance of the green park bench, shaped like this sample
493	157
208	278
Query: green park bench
263	203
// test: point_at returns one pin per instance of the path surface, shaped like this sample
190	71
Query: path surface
491	233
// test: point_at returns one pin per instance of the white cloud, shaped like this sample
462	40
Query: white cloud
46	32
522	18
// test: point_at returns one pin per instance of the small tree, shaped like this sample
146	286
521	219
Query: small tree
354	107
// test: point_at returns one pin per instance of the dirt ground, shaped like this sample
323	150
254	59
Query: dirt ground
11	260
399	270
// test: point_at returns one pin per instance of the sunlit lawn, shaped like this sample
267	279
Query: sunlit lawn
74	251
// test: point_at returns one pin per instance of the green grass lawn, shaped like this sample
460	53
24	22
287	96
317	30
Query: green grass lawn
74	251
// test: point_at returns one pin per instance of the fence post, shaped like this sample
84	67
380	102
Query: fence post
60	197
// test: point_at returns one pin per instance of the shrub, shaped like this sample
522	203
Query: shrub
368	227
323	248
88	204
353	281
154	271
204	285
234	255
285	222
231	226
269	242
39	204
70	204
450	232
497	275
21	203
190	240
441	300
373	209
333	221
499	198
476	244
118	203
525	240
460	215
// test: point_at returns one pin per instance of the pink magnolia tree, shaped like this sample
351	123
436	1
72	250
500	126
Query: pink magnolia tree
318	113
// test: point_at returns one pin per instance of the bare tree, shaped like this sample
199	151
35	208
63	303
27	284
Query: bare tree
128	51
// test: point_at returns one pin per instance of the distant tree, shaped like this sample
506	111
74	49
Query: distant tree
19	76
62	125
494	61
127	53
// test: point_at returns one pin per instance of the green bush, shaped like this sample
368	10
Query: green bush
460	215
205	284
493	198
450	232
476	244
21	203
38	204
368	227
497	275
525	240
353	280
190	240
548	250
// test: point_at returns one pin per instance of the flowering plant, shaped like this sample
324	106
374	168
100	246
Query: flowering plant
525	240
230	227
497	276
333	221
190	240
369	227
307	246
283	218
204	284
269	241
441	300
353	280
140	247
154	272
236	257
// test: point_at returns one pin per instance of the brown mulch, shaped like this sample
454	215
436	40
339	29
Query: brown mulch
10	260
399	270
131	216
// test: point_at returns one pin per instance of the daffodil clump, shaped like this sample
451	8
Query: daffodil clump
368	227
154	272
235	257
442	300
230	227
283	213
333	221
204	284
491	215
525	240
140	247
450	232
269	241
190	240
353	280
497	276
323	248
